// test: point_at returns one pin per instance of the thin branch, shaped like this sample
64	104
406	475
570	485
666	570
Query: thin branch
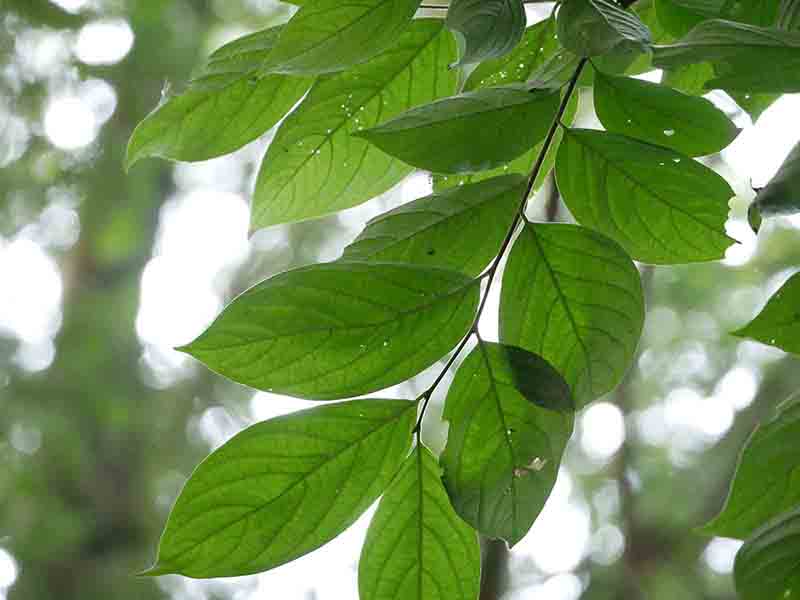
518	218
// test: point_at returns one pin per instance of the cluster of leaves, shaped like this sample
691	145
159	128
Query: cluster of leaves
485	105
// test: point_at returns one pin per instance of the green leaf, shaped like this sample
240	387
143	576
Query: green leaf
755	12
789	15
417	547
485	28
692	79
661	206
767	480
574	297
680	16
781	196
689	79
283	487
660	115
538	44
330	35
314	166
766	566
460	229
593	27
778	324
746	58
521	164
228	105
339	329
753	104
503	448
470	132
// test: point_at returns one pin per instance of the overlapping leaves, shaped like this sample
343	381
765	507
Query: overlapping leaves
228	104
315	165
417	547
573	296
404	293
470	132
510	417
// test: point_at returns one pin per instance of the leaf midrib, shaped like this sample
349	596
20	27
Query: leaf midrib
398	315
328	135
392	421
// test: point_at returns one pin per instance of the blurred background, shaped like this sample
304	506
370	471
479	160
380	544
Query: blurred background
103	272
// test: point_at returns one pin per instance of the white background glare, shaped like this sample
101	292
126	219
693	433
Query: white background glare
69	123
8	569
30	297
104	42
720	554
602	430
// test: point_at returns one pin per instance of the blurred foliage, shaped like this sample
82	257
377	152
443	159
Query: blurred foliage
82	507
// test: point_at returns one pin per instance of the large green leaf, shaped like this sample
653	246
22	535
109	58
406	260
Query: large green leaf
459	229
538	44
314	166
522	164
778	324
283	487
574	297
692	79
767	480
766	566
485	28
593	27
503	447
470	132
339	329
755	12
781	196
229	104
680	16
660	115
661	206
417	548
746	58
331	35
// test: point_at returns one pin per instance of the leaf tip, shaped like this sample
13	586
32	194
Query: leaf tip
156	570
